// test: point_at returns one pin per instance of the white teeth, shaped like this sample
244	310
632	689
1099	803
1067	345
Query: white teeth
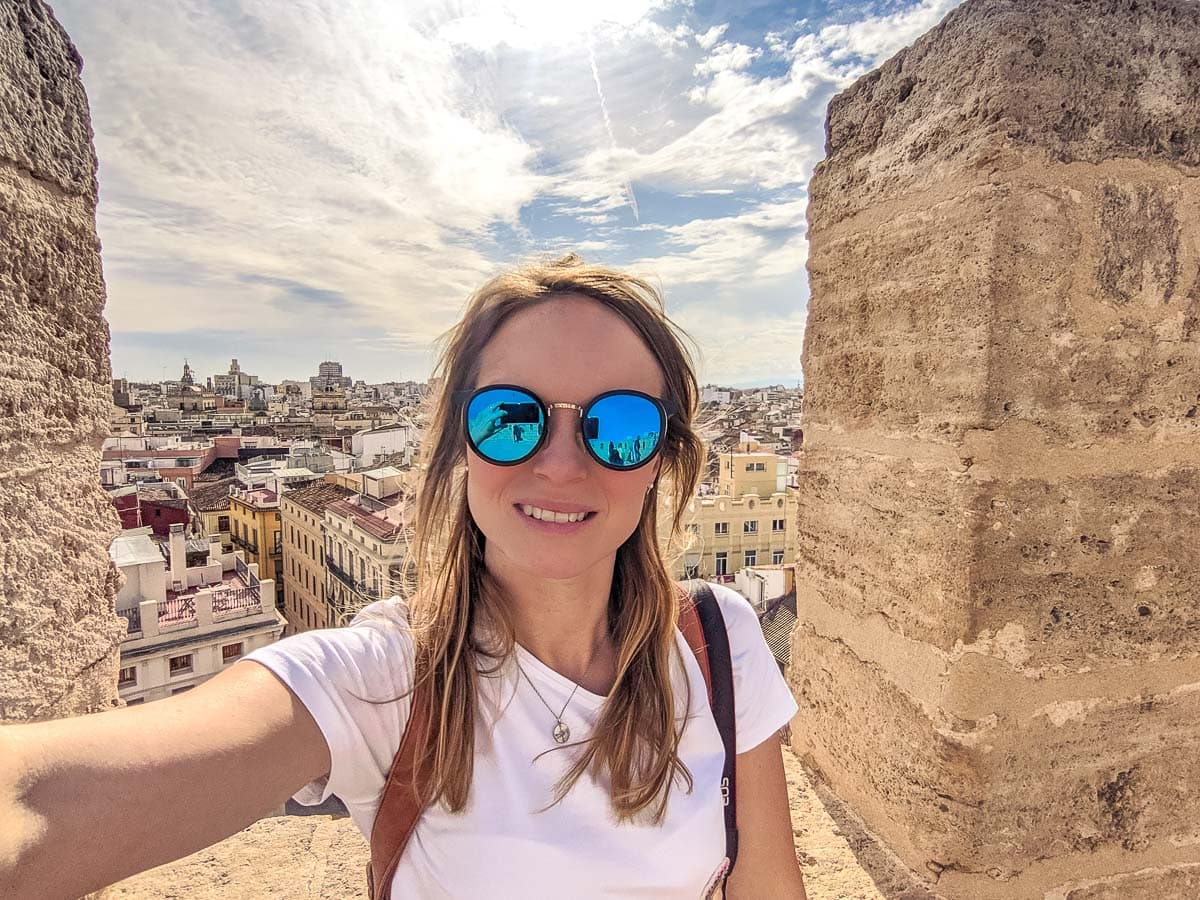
547	515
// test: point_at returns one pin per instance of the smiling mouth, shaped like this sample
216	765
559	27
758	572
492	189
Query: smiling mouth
559	518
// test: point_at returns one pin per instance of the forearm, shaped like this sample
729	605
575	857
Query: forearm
88	801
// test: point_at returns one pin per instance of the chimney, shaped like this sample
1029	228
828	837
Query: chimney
177	548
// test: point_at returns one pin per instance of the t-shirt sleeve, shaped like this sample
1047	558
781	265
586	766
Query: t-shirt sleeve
336	673
762	701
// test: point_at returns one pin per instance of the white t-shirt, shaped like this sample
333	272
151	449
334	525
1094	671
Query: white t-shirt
500	846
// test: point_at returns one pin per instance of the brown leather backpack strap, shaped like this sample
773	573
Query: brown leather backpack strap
400	804
693	633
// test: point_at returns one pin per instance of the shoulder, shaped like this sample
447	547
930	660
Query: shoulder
373	652
735	609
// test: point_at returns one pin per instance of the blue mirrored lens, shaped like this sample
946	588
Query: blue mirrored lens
623	429
505	425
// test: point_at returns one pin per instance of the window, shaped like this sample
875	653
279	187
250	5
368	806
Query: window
751	557
750	527
778	524
127	677
135	701
180	690
691	528
720	528
691	571
254	540
777	557
222	523
179	665
749	467
760	467
722	562
230	652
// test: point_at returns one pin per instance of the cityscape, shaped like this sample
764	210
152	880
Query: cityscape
251	511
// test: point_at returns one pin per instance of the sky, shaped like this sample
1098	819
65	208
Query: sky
289	182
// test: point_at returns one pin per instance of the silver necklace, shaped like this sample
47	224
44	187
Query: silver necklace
561	732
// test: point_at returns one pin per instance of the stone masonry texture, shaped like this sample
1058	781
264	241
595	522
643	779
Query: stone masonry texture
997	657
59	636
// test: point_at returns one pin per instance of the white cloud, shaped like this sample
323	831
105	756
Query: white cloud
734	250
710	37
385	158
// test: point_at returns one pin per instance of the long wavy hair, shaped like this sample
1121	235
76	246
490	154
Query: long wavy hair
635	742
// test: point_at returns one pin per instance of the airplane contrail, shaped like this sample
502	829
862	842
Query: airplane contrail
608	127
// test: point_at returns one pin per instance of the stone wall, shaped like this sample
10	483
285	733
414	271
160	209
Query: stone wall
998	653
58	634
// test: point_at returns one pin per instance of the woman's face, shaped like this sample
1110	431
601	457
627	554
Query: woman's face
566	350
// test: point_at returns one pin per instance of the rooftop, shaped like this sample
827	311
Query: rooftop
316	497
134	550
384	519
258	497
211	496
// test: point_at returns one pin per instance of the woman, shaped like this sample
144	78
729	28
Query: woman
573	751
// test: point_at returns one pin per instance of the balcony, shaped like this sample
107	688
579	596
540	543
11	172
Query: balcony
245	543
361	588
238	594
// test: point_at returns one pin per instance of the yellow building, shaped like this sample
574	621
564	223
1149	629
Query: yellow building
302	522
725	534
254	527
366	544
761	473
210	507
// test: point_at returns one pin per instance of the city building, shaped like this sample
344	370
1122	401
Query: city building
235	383
254	529
186	622
128	458
302	522
329	377
156	505
210	509
725	534
370	444
761	473
366	544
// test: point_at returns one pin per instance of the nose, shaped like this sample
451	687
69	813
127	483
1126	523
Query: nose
563	457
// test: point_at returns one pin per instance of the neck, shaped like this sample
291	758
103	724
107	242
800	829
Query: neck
563	622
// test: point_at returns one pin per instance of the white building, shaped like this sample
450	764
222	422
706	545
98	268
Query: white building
186	623
713	395
366	544
370	444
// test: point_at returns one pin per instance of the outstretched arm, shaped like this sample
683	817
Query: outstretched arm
87	801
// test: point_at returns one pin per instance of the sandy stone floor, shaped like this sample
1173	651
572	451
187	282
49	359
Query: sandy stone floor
323	858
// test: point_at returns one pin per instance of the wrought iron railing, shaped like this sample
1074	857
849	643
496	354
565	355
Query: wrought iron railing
246	544
176	609
362	588
236	600
244	573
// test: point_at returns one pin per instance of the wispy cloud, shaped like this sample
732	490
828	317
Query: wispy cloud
341	174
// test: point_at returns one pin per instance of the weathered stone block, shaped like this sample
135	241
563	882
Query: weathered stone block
1000	499
59	635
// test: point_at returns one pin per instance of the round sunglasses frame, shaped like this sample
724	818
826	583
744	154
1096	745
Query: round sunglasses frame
666	409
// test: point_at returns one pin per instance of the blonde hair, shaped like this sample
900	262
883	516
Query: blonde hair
636	739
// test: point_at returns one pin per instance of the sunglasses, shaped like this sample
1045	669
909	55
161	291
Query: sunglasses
507	424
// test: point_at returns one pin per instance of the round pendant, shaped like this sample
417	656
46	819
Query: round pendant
562	733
